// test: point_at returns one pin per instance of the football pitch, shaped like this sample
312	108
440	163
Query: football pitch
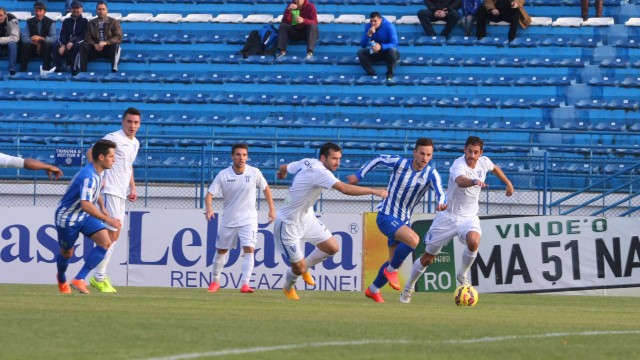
36	322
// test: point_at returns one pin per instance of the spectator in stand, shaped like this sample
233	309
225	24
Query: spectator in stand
299	22
102	40
511	11
38	37
70	39
9	37
584	7
439	10
469	10
379	43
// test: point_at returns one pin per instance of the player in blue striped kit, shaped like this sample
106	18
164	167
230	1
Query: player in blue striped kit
81	211
410	180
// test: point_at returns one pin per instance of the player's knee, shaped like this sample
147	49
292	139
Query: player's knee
332	250
299	267
222	251
414	239
66	253
426	259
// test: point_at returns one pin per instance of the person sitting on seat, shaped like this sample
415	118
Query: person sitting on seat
37	38
102	40
299	22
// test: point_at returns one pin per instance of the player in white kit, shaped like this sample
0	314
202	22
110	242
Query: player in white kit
239	219
466	179
296	221
117	182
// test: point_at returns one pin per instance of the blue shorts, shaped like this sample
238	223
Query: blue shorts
389	225
67	236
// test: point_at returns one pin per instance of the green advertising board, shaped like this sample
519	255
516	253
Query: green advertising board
441	275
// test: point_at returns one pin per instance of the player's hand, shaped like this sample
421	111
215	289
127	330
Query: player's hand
281	174
292	6
509	190
381	193
54	173
376	48
272	216
482	184
61	50
113	222
441	207
440	14
299	20
133	195
209	214
352	179
495	12
69	45
514	5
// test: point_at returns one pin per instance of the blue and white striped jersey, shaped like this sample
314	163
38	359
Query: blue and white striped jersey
85	185
406	187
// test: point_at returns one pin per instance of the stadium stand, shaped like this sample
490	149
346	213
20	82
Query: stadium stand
564	86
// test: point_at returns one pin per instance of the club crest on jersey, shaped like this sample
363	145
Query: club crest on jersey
480	174
247	178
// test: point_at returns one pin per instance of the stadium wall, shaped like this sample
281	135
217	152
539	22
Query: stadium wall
545	254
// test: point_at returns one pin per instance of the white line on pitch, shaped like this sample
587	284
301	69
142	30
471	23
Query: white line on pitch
539	336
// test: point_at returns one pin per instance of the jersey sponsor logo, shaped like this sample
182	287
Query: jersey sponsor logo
231	180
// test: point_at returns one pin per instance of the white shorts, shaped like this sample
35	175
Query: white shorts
228	236
115	207
445	227
290	237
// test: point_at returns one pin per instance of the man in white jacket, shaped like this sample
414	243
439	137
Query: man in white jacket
9	37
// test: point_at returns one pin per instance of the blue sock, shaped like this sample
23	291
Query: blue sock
381	280
402	251
96	255
62	264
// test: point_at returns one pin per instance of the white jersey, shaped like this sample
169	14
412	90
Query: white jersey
311	176
464	201
117	179
238	194
8	161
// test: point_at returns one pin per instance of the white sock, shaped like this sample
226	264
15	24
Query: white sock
218	264
101	270
391	269
290	279
416	271
247	267
468	257
374	289
316	257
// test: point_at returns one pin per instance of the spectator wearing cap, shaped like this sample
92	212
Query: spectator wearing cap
9	37
70	39
38	37
102	40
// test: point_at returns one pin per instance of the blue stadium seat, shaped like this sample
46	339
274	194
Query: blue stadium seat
497	41
466	81
590	104
403	80
388	146
179	78
131	97
472	124
416	61
261	99
309	79
65	140
462	40
622	104
576	62
37	96
388	100
343	121
407	123
530	81
511	62
100	96
194	142
163	97
176	119
116	77
309	120
447	61
546	103
609	125
498	81
559	81
322	60
542	62
164	58
441	123
349	60
274	79
7	94
226	98
630	82
134	57
194	98
556	41
455	101
276	120
525	42
583	42
323	100
211	78
202	59
345	79
259	59
482	61
520	103
335	39
434	80
243	78
149	38
357	145
211	39
356	100
377	122
68	96
617	63
148	78
220	59
370	80
290	59
56	76
296	100
180	39
423	101
87	76
484	102
430	41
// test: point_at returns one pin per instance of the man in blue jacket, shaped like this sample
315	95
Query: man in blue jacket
71	36
379	43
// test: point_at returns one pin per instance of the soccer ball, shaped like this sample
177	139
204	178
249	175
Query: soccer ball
465	295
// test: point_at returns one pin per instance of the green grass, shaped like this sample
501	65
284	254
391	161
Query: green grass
140	323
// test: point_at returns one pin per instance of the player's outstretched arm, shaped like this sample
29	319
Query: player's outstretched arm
465	182
272	209
500	174
208	204
52	171
352	179
355	190
90	209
